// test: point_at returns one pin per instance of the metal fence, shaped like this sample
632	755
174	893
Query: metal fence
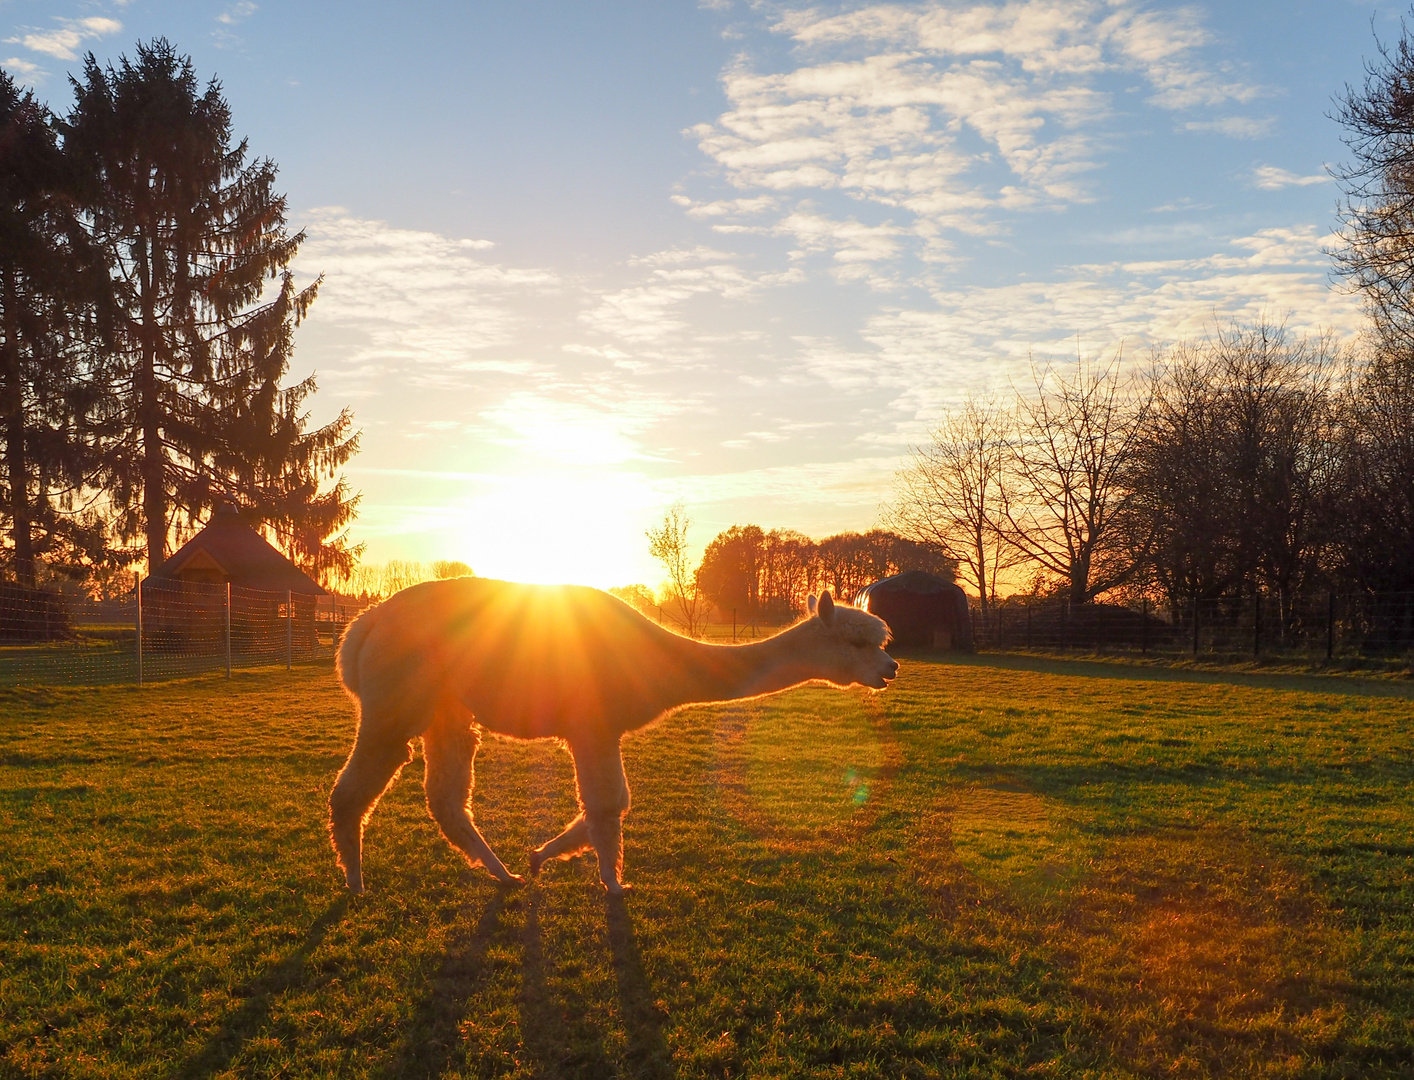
1328	626
161	630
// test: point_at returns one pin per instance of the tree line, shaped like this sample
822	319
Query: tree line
760	576
147	314
1252	460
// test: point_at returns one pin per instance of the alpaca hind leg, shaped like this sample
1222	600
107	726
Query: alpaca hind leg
604	794
371	769
449	749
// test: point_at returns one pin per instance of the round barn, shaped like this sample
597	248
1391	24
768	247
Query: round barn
922	610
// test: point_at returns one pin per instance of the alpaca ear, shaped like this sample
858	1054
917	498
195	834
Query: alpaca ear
810	604
827	608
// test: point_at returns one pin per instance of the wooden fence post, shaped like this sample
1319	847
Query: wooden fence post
137	588
289	629
228	629
1195	626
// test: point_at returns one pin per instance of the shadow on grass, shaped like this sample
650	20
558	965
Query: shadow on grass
560	1038
434	1031
555	1026
246	1021
643	1021
1099	669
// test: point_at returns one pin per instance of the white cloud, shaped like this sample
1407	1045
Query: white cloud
988	333
1184	204
24	71
849	241
708	211
417	303
1272	178
63	43
653	312
237	13
950	114
1234	127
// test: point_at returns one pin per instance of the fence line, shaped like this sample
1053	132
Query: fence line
1326	626
169	629
162	630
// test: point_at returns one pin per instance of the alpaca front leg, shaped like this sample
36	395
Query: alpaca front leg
569	843
604	794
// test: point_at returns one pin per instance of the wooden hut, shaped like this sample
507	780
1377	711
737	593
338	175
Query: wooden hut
184	599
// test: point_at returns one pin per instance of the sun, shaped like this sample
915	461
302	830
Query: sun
571	526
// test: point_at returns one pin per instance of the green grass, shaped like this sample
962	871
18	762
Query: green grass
1002	867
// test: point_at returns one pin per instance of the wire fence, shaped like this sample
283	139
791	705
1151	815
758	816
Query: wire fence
172	629
1330	626
161	630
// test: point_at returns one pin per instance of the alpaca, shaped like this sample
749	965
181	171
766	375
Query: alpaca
447	660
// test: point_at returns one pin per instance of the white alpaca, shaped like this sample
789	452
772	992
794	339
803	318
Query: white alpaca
446	659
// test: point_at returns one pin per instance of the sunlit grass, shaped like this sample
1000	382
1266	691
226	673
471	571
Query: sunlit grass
993	869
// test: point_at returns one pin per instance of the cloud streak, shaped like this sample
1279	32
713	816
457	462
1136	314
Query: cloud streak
416	305
64	41
950	117
1271	178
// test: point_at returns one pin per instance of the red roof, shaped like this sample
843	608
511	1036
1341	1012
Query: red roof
230	548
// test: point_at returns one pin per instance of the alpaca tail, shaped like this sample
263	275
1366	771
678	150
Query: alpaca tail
351	647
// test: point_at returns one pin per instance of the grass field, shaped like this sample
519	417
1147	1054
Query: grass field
1005	867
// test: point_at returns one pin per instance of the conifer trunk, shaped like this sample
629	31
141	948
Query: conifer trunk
154	494
15	465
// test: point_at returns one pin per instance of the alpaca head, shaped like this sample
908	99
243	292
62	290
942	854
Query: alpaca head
848	644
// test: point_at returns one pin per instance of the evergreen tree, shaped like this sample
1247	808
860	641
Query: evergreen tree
46	400
194	234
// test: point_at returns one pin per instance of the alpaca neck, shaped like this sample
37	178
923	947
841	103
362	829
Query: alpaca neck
729	672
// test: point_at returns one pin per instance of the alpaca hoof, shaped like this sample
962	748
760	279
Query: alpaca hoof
618	888
512	881
536	862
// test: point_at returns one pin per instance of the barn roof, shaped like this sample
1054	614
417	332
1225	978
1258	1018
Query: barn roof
240	555
910	581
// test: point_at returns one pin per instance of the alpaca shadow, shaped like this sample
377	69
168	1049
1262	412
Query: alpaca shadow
433	1031
246	1021
555	1033
643	1020
560	1041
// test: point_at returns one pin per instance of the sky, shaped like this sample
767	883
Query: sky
583	261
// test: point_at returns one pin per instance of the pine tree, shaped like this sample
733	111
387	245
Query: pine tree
203	315
46	400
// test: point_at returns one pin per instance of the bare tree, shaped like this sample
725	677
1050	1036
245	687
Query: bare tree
1232	477
1066	498
951	494
1177	475
378	581
1374	504
668	544
1377	215
442	569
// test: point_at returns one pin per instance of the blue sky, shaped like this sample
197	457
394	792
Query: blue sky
584	260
